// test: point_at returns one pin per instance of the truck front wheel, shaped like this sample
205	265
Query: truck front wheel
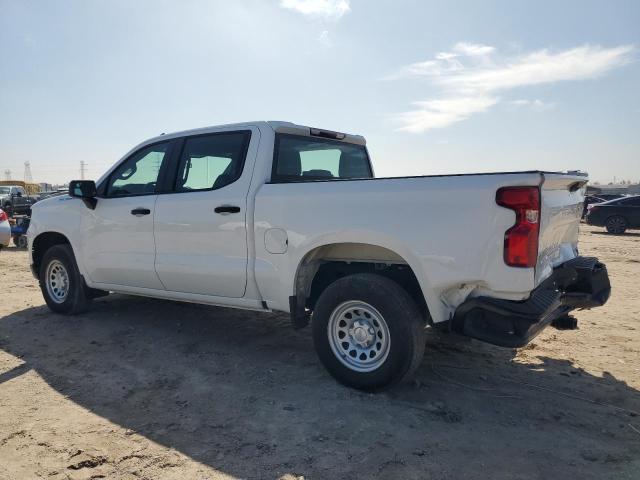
61	283
368	332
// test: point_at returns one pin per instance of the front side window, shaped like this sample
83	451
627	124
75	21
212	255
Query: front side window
138	175
302	158
210	162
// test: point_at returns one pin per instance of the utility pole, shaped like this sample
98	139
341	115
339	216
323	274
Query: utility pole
28	178
7	174
83	168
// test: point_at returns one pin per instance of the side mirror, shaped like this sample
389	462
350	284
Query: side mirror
86	190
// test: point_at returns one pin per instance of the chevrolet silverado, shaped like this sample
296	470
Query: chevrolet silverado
273	216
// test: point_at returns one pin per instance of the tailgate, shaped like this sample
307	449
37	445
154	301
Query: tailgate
562	197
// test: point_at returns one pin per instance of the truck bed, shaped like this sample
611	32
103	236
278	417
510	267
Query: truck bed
447	228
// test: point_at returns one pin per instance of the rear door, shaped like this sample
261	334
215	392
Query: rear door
201	226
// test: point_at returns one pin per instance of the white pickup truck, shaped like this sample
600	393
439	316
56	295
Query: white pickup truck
273	216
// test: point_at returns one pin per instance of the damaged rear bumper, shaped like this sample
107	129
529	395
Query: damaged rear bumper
579	283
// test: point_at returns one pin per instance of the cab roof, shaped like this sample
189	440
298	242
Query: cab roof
276	125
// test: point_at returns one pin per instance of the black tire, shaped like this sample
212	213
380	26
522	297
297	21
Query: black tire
616	224
406	329
77	299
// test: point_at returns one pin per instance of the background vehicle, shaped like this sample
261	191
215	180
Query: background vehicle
14	200
590	200
616	216
278	216
5	229
610	196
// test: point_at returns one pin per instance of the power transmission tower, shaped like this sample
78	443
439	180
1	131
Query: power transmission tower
83	168
28	178
7	174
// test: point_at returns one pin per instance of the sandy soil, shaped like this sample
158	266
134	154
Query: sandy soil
141	388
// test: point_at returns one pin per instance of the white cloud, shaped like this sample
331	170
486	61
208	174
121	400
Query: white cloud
535	105
440	113
473	49
472	74
331	9
443	64
543	67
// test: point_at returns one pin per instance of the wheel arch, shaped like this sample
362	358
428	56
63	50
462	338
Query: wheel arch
621	215
43	242
324	264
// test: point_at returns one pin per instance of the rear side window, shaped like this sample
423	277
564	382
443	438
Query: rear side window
210	162
302	158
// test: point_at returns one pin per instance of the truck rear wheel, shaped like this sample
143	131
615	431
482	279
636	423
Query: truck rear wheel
61	283
368	332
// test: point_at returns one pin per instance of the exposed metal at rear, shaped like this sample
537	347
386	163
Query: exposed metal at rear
562	197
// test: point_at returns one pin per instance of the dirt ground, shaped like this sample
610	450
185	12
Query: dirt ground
150	389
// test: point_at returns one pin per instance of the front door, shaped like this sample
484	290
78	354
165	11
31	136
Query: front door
200	228
118	245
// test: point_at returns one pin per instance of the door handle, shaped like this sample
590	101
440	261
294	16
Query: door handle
138	212
226	209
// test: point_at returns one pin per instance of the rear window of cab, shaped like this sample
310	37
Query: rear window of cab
299	158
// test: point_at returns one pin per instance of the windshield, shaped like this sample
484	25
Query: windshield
5	190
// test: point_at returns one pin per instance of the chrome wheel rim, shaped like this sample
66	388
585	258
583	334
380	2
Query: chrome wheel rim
57	281
359	336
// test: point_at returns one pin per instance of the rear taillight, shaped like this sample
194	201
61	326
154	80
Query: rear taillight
521	240
3	216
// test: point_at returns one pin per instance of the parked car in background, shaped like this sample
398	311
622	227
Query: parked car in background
5	229
590	200
610	196
15	201
616	216
273	216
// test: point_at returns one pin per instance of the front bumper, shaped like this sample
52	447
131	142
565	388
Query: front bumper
579	283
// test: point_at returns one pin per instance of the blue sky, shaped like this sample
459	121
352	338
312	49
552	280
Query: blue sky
436	87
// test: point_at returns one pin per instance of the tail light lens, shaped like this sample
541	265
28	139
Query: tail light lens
521	240
3	216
